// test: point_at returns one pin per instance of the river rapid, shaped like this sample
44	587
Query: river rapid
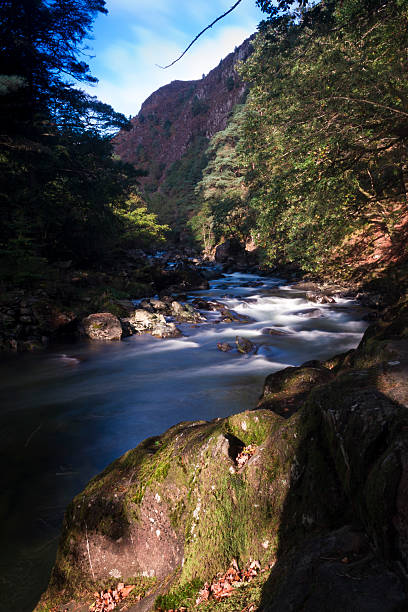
68	412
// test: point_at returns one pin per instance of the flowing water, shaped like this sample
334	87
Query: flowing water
67	413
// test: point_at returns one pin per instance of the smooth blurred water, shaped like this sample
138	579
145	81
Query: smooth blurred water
66	414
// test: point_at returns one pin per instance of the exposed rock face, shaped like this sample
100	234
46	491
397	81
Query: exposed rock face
232	252
323	499
174	115
28	322
101	326
157	503
284	391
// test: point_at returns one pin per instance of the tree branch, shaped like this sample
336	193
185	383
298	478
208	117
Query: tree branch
198	35
362	101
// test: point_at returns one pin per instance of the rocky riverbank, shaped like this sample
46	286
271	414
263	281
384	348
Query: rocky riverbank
320	503
57	308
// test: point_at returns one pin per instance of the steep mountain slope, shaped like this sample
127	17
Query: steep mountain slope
170	134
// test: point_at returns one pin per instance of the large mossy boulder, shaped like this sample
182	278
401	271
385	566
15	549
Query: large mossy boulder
322	501
180	501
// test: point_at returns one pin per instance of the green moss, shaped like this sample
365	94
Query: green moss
252	427
138	495
206	498
180	596
161	472
176	514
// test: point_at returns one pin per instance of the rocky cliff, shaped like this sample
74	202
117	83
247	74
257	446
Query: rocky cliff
174	115
170	134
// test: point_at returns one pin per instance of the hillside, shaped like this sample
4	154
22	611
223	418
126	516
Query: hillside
170	134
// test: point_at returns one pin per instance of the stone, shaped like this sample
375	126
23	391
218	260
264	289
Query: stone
101	326
224	347
158	304
309	313
244	345
185	313
168	330
231	251
320	298
142	322
273	331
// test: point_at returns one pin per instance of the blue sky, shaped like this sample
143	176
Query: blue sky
137	34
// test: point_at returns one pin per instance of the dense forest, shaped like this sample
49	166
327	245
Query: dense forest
64	196
316	160
311	165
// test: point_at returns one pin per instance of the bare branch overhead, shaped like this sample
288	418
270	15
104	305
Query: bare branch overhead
198	36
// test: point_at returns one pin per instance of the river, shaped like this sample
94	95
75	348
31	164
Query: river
68	412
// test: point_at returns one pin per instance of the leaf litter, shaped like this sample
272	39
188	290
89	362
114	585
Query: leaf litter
108	599
244	456
224	585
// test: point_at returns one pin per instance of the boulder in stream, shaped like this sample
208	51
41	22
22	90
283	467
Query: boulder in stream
320	298
225	347
101	326
245	346
185	313
309	313
142	322
274	331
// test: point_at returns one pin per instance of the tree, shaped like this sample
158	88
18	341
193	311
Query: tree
327	127
42	46
59	182
222	192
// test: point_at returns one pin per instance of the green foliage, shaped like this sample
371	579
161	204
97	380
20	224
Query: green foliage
59	183
326	127
221	191
176	200
139	227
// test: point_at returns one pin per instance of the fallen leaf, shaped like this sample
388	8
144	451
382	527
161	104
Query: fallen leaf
125	590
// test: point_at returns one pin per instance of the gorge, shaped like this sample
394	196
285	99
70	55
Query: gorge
204	321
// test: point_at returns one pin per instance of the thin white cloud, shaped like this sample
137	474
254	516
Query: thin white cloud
148	33
135	77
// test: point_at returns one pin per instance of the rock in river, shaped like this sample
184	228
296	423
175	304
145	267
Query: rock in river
244	345
142	322
101	326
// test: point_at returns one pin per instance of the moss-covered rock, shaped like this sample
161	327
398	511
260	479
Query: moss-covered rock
284	391
177	501
323	498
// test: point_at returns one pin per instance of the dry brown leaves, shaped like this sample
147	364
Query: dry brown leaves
108	600
245	455
224	584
